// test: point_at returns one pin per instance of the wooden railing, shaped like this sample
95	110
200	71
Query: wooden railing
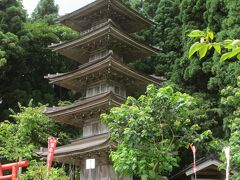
14	167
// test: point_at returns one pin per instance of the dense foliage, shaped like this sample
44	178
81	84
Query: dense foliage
230	96
26	59
30	131
204	79
151	130
46	10
38	171
231	103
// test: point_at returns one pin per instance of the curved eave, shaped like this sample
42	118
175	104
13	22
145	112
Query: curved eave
80	146
66	114
124	69
73	50
109	62
89	9
133	12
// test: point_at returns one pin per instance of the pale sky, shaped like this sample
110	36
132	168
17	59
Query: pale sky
65	6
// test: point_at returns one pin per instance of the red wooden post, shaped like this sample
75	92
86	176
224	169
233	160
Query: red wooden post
14	168
1	170
14	172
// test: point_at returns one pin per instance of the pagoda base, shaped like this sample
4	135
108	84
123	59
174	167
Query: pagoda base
105	172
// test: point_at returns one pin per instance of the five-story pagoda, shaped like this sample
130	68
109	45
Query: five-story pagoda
103	49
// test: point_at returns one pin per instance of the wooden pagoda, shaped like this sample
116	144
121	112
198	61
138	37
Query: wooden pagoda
103	49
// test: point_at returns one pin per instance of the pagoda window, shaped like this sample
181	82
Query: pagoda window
98	55
94	129
105	87
90	92
118	90
97	89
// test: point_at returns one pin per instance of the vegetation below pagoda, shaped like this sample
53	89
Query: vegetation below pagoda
38	171
214	86
151	130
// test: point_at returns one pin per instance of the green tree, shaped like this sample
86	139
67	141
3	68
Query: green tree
46	10
231	104
185	72
12	16
12	34
230	25
230	95
22	77
216	12
28	132
151	130
9	47
167	36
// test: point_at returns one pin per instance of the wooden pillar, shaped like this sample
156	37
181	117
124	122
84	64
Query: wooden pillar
1	173
14	172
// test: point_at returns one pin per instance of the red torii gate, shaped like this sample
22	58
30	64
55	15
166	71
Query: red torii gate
14	167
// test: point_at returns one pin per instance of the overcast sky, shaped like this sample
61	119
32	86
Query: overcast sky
65	6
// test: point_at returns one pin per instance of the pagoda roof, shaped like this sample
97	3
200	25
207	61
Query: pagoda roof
83	18
107	66
107	35
79	147
84	109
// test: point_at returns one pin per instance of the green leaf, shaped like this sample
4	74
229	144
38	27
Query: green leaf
195	47
217	47
210	46
203	51
234	52
229	46
227	41
210	34
238	56
196	33
224	57
236	43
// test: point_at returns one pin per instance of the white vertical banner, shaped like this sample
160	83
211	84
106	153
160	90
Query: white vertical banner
227	154
194	150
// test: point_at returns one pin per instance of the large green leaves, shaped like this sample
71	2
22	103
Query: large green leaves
203	47
203	51
196	33
146	129
195	47
217	47
229	55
